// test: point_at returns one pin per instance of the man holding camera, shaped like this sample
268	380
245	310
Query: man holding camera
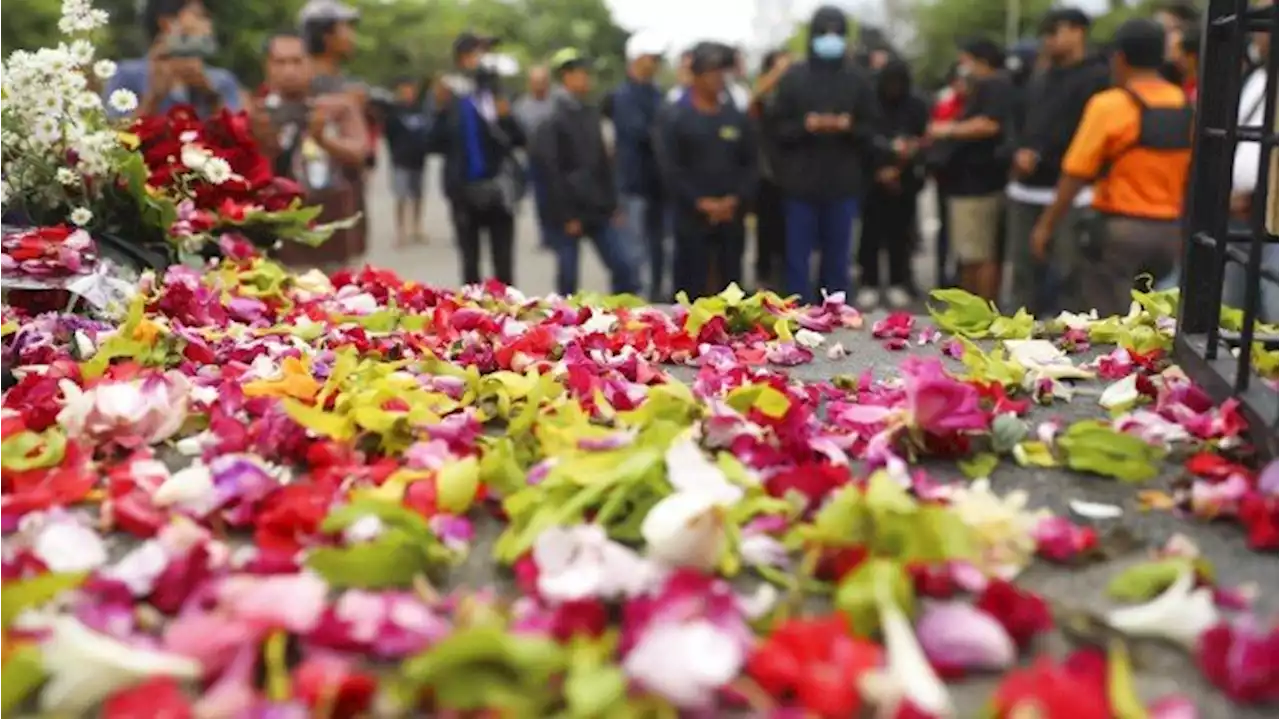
315	139
477	134
175	71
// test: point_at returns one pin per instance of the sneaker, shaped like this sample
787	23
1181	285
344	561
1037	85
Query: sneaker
897	297
868	298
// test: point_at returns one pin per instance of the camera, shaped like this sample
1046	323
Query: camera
197	46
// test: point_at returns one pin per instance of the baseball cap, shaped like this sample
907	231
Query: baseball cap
569	59
710	56
468	41
1070	16
644	44
327	10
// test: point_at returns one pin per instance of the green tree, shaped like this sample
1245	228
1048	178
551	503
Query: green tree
942	24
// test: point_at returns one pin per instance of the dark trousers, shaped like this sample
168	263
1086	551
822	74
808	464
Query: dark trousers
611	245
942	242
500	226
826	226
1120	250
887	229
647	231
708	257
771	234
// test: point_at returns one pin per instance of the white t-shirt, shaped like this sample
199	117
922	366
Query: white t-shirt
1252	110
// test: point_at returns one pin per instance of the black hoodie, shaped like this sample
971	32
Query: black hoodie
903	113
826	165
1055	101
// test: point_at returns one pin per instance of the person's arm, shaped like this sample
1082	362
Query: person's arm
508	124
993	106
748	163
1083	161
349	145
227	88
546	153
786	116
672	160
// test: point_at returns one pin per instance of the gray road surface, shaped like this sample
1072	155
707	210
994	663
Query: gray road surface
437	262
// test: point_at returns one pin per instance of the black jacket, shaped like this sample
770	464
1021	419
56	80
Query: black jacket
447	137
570	153
707	155
829	165
1055	101
903	114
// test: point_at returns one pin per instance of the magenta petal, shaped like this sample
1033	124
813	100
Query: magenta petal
1269	478
956	634
1174	706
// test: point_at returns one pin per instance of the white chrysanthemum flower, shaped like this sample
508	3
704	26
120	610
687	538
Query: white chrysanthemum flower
104	69
195	157
81	216
46	131
216	170
123	100
4	193
67	177
88	101
80	52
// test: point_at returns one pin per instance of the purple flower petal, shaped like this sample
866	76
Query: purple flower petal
959	636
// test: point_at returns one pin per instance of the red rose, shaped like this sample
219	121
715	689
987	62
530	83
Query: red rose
813	480
1242	660
1261	517
1049	691
817	660
159	698
1023	614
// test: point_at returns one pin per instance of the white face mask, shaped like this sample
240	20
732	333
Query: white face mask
963	71
1255	53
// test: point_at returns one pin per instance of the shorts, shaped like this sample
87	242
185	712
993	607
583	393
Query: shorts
407	183
973	225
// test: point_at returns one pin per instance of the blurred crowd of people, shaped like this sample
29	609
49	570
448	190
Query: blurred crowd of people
1056	163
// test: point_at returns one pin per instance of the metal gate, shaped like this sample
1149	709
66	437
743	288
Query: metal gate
1220	359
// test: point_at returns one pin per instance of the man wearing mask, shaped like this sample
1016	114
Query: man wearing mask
825	122
531	110
175	71
316	139
976	189
1055	103
477	134
1134	145
889	221
635	111
709	158
569	151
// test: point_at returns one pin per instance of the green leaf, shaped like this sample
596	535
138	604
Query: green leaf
856	596
1034	454
1092	446
966	314
884	495
1019	327
979	465
499	469
23	673
593	691
18	596
328	424
1144	582
392	514
456	484
837	521
1006	431
770	401
482	666
1122	694
391	560
28	450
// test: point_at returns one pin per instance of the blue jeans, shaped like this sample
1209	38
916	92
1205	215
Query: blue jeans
647	237
827	227
611	245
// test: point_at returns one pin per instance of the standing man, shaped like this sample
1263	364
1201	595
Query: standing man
825	121
1134	144
477	134
531	110
407	127
570	153
175	70
976	191
771	224
710	161
315	140
635	111
1055	103
888	225
328	27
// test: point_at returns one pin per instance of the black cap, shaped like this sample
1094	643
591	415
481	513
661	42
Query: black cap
469	41
710	56
1069	16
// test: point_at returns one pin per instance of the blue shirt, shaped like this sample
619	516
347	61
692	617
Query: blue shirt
134	75
635	111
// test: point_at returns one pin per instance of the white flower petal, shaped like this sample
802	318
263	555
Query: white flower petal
685	529
685	662
1122	393
1181	614
1095	510
65	545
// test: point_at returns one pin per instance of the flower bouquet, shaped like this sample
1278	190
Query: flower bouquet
165	188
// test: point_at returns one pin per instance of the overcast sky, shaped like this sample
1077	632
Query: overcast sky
684	22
